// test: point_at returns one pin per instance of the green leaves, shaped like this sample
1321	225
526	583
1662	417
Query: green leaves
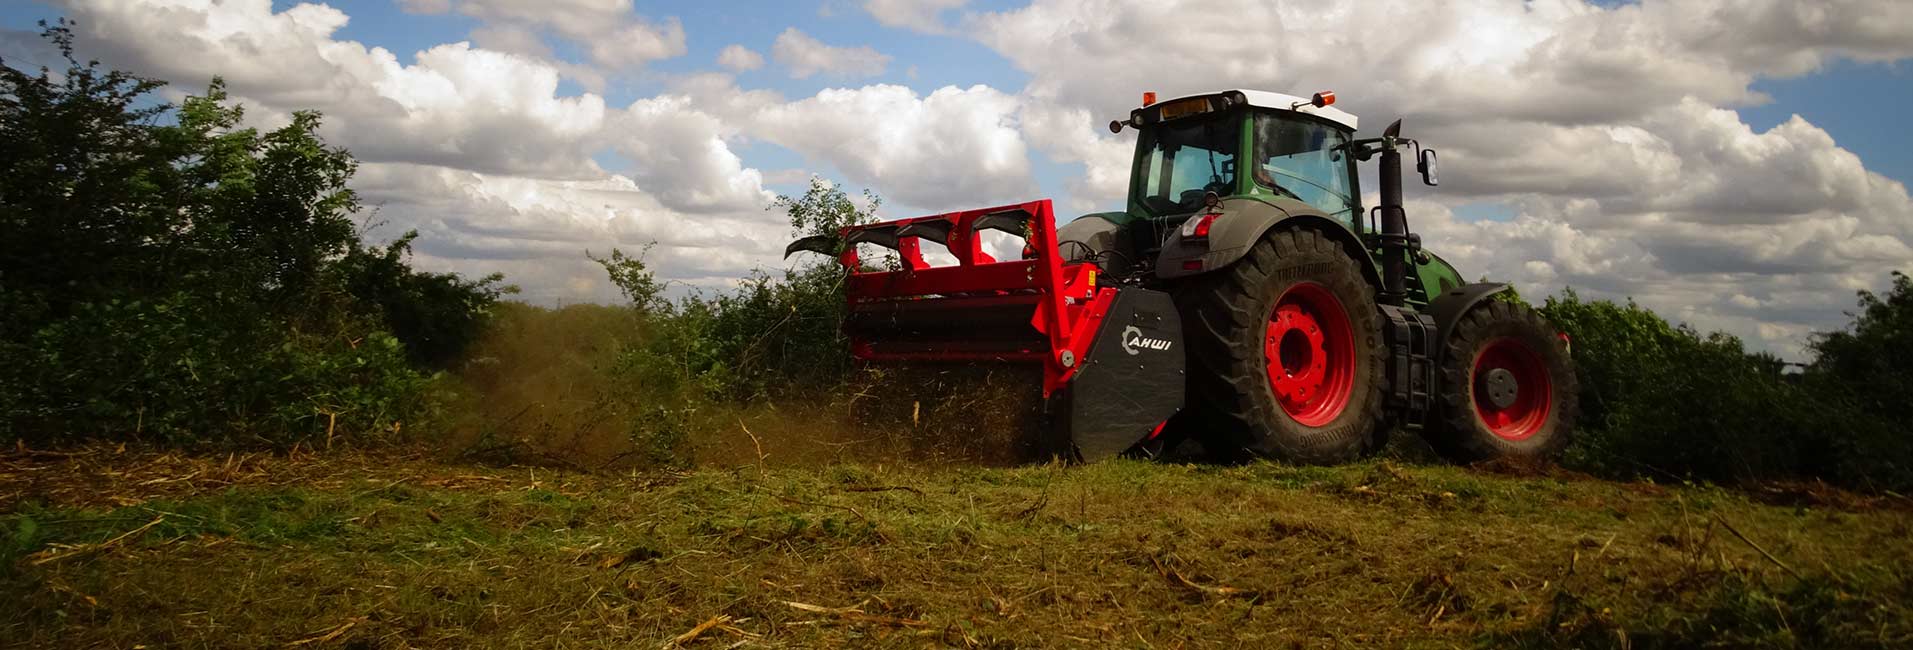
824	209
1666	401
195	279
634	279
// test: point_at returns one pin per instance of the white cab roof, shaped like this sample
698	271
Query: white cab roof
1279	101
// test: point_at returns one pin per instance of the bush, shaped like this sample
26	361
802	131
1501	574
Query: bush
1666	401
193	280
1867	369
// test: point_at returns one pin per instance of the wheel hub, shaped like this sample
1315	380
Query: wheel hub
1309	349
1295	346
1501	386
1512	389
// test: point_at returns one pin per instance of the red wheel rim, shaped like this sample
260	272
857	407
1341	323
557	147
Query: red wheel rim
1522	416
1310	354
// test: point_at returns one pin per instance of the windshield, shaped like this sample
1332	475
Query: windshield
1184	159
1304	160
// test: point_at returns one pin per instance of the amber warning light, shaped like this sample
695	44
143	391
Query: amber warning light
1323	98
1148	98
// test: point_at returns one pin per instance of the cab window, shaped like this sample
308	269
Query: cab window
1185	159
1305	160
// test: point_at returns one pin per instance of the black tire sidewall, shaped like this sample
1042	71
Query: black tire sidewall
1279	262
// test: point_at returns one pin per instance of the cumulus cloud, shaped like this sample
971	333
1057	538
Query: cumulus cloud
680	154
956	147
920	15
610	31
805	56
538	230
738	58
427	7
455	105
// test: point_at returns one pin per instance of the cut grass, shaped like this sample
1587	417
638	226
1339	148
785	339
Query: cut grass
346	550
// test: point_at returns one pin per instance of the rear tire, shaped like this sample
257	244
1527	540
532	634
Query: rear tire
1285	354
1508	388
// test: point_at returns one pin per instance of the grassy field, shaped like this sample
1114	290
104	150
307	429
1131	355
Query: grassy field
124	549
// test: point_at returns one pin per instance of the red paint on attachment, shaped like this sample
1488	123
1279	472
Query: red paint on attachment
1310	354
1068	308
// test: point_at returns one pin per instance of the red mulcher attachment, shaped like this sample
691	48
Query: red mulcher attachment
1039	309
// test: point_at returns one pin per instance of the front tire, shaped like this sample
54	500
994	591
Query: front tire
1285	353
1508	388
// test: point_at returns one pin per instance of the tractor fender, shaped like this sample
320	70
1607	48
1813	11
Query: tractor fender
1451	305
1090	237
1242	224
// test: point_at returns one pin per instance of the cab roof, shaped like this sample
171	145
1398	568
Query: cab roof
1282	102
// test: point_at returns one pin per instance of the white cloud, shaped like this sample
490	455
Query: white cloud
738	58
610	31
425	6
957	147
459	106
805	56
920	15
681	156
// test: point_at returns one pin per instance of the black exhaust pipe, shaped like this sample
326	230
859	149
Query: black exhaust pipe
1393	237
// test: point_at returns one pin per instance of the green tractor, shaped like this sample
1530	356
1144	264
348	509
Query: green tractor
1245	298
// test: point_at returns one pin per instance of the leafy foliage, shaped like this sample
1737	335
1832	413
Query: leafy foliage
199	279
1667	401
1868	370
825	209
633	278
1875	354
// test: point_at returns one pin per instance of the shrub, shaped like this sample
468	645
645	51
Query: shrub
1666	401
1867	371
771	336
436	316
194	280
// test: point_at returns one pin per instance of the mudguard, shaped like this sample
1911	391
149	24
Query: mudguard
1243	223
1451	305
1093	238
1130	381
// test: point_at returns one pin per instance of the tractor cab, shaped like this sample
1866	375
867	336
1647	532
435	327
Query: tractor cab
1241	143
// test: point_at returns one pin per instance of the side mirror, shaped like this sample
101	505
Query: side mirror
1426	165
1115	126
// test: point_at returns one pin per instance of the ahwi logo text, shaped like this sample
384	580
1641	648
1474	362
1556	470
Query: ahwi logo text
1134	342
